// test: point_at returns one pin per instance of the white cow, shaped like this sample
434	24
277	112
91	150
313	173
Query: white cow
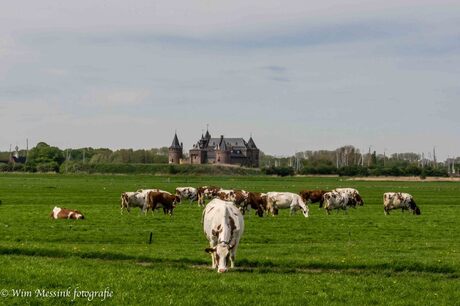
190	193
395	200
335	200
223	226
276	200
132	199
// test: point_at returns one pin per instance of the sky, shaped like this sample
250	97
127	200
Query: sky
296	75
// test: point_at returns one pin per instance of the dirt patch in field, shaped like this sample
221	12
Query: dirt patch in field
406	179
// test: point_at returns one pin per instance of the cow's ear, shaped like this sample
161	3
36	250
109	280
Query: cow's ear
210	250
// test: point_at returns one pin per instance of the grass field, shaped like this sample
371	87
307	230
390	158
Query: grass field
359	258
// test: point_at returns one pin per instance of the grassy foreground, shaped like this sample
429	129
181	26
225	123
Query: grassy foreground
358	258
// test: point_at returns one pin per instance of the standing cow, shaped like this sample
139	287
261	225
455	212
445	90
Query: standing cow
223	225
313	196
132	199
354	198
395	200
335	200
207	192
277	200
189	193
257	201
162	199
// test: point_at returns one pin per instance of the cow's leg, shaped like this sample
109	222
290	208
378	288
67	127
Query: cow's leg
232	258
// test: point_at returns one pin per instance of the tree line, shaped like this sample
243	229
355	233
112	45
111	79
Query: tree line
345	161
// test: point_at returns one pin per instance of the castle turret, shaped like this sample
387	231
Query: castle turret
252	153
175	151
222	152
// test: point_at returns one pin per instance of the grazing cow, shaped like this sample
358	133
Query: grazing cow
335	200
395	200
190	193
257	201
223	226
313	196
162	199
354	198
208	192
64	213
238	197
277	200
132	199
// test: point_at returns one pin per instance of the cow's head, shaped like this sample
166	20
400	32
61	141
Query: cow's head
359	200
414	208
306	211
222	254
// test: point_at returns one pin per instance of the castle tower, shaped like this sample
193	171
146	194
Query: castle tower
222	152
252	153
175	151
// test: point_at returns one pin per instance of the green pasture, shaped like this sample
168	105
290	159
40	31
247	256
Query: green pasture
359	258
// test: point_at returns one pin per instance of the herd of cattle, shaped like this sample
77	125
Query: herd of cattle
263	203
222	219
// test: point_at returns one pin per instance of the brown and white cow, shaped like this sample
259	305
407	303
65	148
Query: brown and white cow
132	199
190	193
236	196
313	196
207	192
395	200
64	213
163	200
223	226
279	200
354	198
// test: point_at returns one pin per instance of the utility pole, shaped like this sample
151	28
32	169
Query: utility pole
434	157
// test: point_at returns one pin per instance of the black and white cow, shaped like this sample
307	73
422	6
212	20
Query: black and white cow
396	200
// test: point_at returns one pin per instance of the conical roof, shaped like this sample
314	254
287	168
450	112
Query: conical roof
251	144
222	144
175	144
207	136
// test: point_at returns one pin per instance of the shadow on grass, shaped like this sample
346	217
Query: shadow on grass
243	265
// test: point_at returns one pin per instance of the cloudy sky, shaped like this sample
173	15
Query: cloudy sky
298	75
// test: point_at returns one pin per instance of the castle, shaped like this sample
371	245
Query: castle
220	150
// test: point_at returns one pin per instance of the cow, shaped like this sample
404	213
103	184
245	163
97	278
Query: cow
162	199
189	193
354	198
207	192
277	200
132	199
223	226
64	213
257	201
145	193
238	197
313	196
395	200
335	200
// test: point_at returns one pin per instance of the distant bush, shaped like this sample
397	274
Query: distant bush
280	171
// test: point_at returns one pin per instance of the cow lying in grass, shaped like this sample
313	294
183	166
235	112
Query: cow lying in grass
64	213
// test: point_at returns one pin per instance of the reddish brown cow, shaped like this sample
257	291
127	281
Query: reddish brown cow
257	201
313	196
162	199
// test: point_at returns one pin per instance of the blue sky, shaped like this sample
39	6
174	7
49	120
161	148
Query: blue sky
300	75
